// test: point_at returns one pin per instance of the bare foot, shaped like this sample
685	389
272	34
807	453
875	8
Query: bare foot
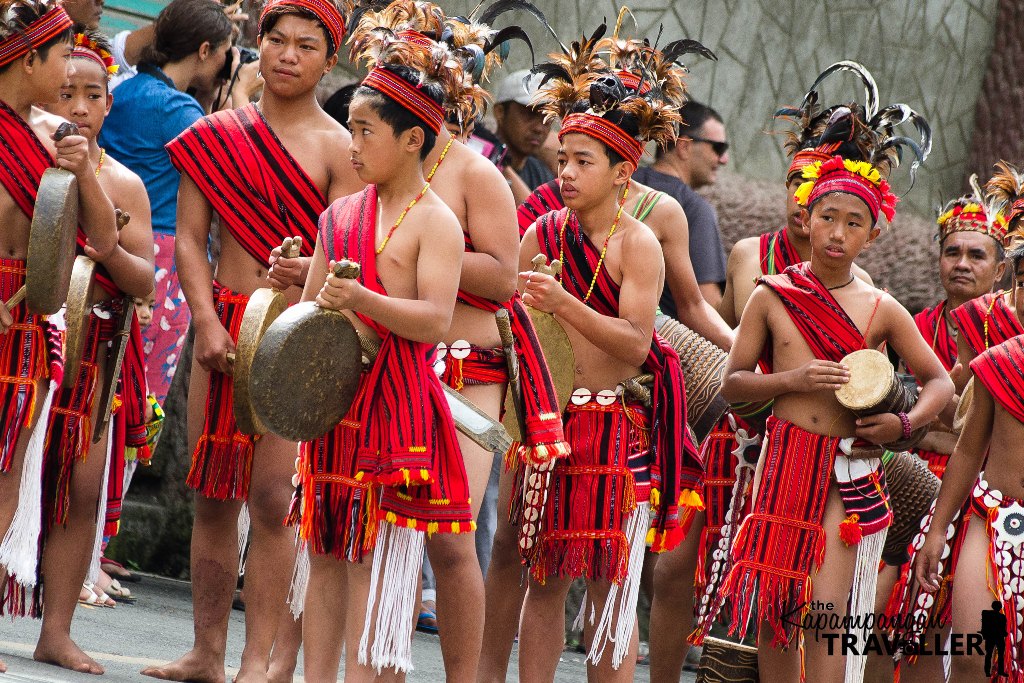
278	674
61	650
190	667
251	677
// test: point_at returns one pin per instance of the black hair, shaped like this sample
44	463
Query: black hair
1016	255
275	13
398	117
694	115
183	26
336	105
16	17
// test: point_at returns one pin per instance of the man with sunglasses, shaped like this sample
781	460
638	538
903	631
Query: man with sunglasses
691	163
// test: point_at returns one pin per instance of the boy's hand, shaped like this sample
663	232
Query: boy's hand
541	291
6	319
286	272
880	429
339	293
817	375
213	347
926	566
73	154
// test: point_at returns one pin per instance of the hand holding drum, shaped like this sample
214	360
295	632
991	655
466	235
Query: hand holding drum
874	389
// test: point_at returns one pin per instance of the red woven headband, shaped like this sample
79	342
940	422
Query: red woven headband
416	38
628	147
325	11
407	95
43	29
632	81
806	157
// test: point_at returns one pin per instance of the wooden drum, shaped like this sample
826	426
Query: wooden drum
874	388
912	490
703	369
722	661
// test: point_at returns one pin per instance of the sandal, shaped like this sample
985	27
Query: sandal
426	621
87	596
119	593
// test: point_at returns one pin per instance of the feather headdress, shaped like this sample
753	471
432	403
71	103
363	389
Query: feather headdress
622	91
1006	189
854	130
973	212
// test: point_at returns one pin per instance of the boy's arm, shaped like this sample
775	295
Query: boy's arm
626	337
490	269
964	355
743	384
195	273
130	264
428	317
692	308
317	275
961	473
936	386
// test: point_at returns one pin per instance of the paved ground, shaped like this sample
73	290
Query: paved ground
158	628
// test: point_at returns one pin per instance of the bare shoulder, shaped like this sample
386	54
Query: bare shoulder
761	300
476	168
744	250
666	218
44	124
123	178
332	135
639	240
863	274
436	219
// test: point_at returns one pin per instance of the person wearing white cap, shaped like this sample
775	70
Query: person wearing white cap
523	131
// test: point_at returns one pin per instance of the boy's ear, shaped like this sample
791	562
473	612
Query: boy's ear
805	221
623	172
1000	271
414	139
873	235
332	61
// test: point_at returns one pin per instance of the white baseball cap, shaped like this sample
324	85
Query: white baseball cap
513	88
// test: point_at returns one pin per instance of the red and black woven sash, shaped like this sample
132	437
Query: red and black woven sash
676	466
23	159
776	252
999	370
546	198
822	322
258	189
935	331
986	321
401	431
541	409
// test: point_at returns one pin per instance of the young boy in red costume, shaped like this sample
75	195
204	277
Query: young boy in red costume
632	469
790	562
389	478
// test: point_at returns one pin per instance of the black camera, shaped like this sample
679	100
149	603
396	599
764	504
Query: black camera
246	55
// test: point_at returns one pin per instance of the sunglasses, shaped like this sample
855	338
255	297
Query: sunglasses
719	147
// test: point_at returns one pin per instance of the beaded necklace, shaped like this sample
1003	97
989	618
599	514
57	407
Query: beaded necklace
103	156
426	186
604	249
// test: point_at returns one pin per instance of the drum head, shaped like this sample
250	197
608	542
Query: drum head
305	372
51	247
76	317
560	360
264	307
871	377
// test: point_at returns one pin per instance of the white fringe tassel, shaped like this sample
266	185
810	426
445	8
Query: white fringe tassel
101	509
618	620
300	578
243	537
19	550
862	599
397	563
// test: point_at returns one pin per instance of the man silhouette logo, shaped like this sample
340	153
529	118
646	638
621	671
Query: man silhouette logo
993	630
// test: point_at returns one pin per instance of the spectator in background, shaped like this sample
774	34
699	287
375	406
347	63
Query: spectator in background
523	131
192	40
679	169
85	13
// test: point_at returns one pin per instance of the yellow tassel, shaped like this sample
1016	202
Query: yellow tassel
411	523
391	518
655	498
455	527
432	528
692	499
